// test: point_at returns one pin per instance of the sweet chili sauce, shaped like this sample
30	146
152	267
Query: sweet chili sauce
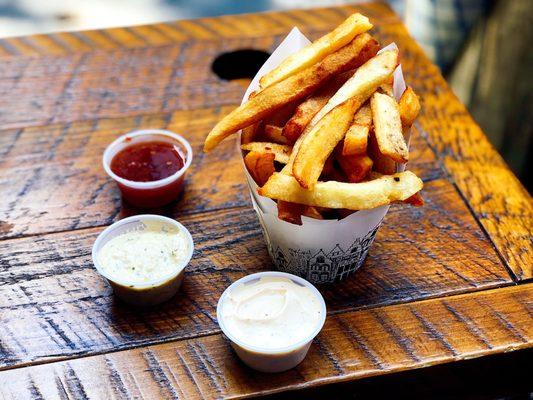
147	161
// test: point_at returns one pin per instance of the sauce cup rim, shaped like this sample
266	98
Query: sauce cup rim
280	350
139	218
107	158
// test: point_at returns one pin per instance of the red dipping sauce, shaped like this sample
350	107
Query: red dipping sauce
149	166
147	161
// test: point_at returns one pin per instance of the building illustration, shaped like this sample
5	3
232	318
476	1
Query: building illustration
324	266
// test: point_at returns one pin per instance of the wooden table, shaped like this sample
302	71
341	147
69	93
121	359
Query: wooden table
445	282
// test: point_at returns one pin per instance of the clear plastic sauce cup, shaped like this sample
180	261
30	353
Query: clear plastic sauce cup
151	292
271	359
155	193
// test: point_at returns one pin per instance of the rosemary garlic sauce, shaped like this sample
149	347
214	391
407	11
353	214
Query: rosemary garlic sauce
144	255
272	313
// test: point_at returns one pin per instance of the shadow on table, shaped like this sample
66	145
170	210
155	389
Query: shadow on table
505	376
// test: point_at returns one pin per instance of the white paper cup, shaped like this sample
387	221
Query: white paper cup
154	193
267	359
147	293
321	251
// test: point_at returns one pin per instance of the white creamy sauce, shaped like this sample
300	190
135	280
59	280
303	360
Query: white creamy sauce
144	255
273	312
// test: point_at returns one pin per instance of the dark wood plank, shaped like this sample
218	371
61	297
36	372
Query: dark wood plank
142	70
351	346
54	304
51	178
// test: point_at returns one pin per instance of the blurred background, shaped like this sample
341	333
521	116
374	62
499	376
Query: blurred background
480	45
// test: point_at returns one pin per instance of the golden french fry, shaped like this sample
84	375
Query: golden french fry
297	86
249	133
290	212
382	164
409	107
363	83
356	138
260	165
355	167
386	88
353	196
312	212
343	34
282	115
281	152
305	112
388	127
415	200
319	143
274	134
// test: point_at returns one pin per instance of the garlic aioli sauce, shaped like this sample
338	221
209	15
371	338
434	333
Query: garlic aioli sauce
271	313
144	255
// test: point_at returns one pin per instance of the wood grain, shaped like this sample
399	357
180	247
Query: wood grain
150	69
351	346
501	204
65	96
55	305
52	179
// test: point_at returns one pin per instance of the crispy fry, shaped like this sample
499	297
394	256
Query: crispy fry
329	168
250	132
386	88
363	83
260	166
356	139
290	212
388	127
281	151
343	34
312	212
273	133
415	200
409	107
355	167
319	142
297	86
353	196
382	164
282	115
305	112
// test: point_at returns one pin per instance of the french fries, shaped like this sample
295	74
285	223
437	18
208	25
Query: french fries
415	200
260	165
305	112
388	127
319	142
382	164
249	133
274	134
312	212
363	83
355	167
295	87
409	107
281	152
329	116
353	196
354	25
356	139
290	212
